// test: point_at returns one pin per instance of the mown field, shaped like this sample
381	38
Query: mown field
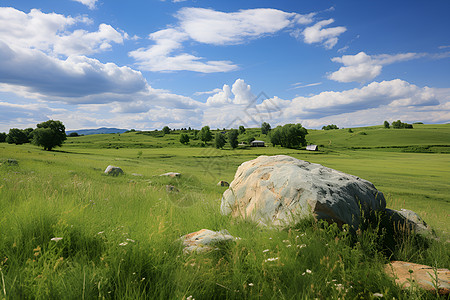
120	234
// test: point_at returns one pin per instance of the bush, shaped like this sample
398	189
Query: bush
3	136
166	130
386	124
400	125
184	138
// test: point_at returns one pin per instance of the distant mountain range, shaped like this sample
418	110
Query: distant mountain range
102	130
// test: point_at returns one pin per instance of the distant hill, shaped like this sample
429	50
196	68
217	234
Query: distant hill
102	130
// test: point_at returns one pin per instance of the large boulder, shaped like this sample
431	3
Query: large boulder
281	190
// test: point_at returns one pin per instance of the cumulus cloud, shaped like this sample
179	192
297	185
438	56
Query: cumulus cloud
77	76
50	33
207	26
240	93
362	67
88	3
318	34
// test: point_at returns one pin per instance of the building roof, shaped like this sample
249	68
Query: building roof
256	141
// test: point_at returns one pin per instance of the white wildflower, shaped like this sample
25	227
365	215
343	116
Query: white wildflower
301	246
190	298
56	239
285	241
267	250
130	240
287	246
250	284
100	232
123	244
271	259
308	271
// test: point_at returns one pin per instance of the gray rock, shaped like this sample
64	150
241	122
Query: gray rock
281	190
408	219
171	174
113	171
205	240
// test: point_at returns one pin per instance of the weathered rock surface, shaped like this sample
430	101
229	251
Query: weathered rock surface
113	171
171	174
422	275
205	240
280	190
408	219
223	183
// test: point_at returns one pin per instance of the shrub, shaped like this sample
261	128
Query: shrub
329	127
233	138
219	140
184	139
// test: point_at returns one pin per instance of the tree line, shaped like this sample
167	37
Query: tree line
49	134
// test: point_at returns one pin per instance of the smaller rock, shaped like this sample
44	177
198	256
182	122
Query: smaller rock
171	188
205	240
223	183
407	218
114	171
422	275
171	174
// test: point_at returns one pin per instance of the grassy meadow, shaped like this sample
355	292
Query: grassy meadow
120	235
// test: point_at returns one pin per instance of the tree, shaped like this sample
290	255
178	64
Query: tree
74	134
3	136
399	125
386	125
289	136
184	138
166	130
241	129
49	134
250	139
233	138
17	136
219	140
205	134
265	128
329	127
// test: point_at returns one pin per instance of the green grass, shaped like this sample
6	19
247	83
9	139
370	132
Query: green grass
120	234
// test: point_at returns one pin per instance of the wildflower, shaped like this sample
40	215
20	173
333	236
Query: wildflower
101	232
190	298
130	240
287	246
123	244
271	259
250	284
308	271
285	241
267	250
56	239
301	246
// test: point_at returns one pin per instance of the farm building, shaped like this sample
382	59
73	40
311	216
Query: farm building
256	143
312	148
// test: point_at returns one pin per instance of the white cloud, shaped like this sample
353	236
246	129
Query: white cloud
211	27
240	93
362	67
88	3
318	34
50	33
214	91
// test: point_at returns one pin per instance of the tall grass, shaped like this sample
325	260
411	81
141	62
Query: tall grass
69	232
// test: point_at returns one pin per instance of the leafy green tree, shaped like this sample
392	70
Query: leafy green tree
74	134
241	129
330	127
400	125
184	138
17	136
386	125
166	130
289	136
265	128
250	139
49	134
3	136
233	138
205	134
219	140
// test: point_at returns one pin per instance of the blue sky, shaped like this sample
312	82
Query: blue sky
147	64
